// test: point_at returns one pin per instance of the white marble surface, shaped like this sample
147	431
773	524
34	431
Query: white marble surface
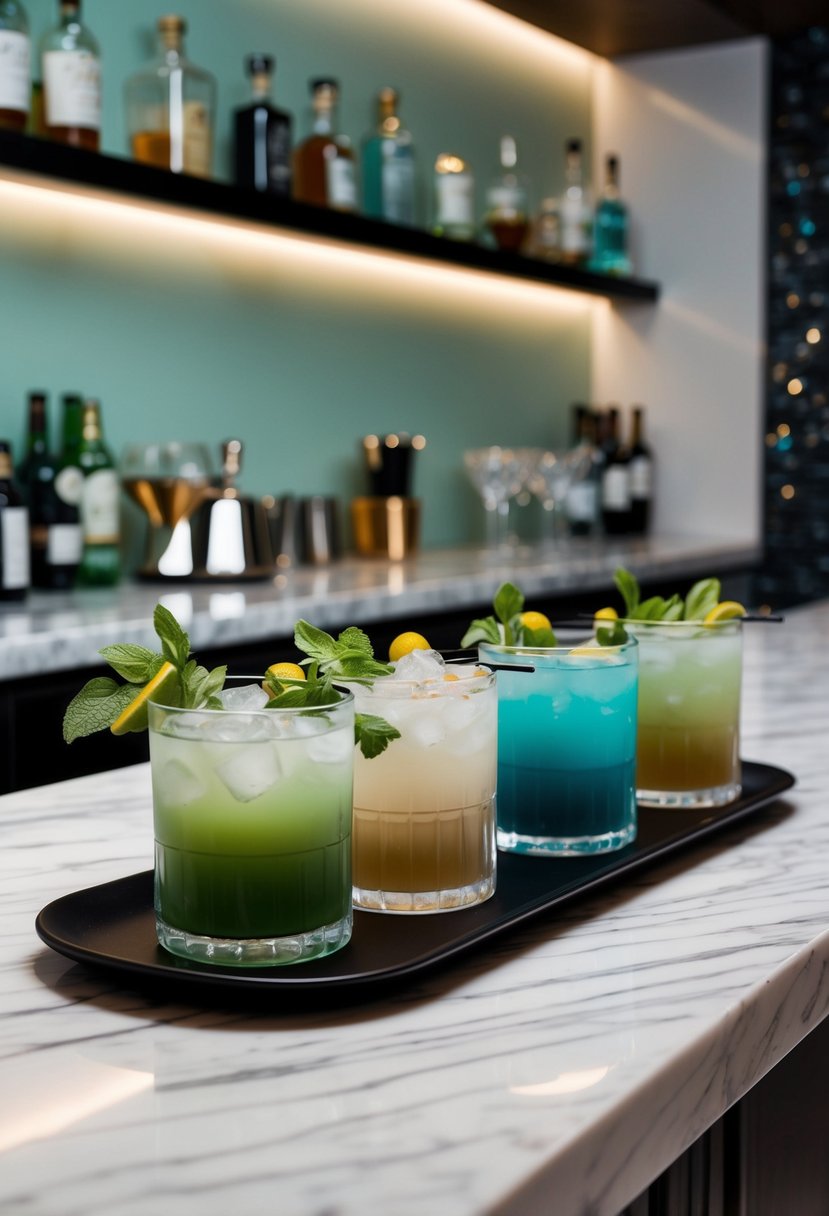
61	631
559	1073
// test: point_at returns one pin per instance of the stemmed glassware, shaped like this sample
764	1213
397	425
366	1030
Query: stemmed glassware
168	481
498	474
548	479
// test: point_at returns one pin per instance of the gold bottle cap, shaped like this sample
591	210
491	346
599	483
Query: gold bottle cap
171	22
91	420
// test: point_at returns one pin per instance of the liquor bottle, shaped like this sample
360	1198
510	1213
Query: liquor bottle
15	53
615	478
170	107
544	238
323	163
14	532
507	208
575	218
55	536
582	502
388	165
641	475
71	66
101	563
610	226
262	134
454	198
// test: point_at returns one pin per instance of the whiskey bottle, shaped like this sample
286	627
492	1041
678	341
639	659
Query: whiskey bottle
323	163
575	218
610	226
615	478
641	475
262	135
14	532
454	198
71	66
507	210
101	563
170	107
15	51
388	165
55	537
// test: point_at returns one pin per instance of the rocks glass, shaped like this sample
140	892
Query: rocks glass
252	813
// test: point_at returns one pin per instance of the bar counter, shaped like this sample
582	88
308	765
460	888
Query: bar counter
560	1070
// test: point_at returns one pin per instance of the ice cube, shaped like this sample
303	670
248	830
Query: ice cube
237	727
249	771
179	785
334	747
184	726
424	728
244	696
419	665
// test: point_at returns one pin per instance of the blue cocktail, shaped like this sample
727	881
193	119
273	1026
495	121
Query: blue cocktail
566	748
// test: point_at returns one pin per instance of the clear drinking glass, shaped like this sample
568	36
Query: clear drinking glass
424	817
548	479
688	751
498	475
566	748
252	813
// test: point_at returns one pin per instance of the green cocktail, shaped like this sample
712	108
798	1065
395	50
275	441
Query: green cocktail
252	813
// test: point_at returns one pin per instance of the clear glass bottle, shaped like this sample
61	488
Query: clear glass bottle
324	162
101	562
262	134
582	504
575	217
15	55
170	107
388	165
14	531
507	201
55	536
454	198
71	69
610	226
544	238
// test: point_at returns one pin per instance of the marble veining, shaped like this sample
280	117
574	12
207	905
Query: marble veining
62	631
558	1072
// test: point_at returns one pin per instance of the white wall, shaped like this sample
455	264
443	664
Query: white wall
690	129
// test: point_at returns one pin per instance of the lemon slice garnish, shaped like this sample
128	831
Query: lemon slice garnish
594	652
405	643
134	717
727	610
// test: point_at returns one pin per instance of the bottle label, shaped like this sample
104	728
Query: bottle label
455	196
99	508
72	88
64	545
279	156
197	141
616	488
508	200
339	182
69	485
14	71
14	530
582	505
574	220
398	189
641	477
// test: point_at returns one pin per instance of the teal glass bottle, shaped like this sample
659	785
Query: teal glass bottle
610	227
388	165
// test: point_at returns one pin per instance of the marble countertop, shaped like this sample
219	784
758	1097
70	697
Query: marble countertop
560	1071
61	631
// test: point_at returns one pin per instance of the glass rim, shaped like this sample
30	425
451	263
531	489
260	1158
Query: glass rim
434	681
555	651
346	696
630	622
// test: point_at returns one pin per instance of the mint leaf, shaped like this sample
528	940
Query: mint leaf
702	597
611	635
133	663
673	609
96	707
373	734
354	640
314	642
628	588
199	685
483	630
358	668
174	641
538	637
508	603
289	698
651	610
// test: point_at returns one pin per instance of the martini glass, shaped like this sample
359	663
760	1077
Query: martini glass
497	474
548	479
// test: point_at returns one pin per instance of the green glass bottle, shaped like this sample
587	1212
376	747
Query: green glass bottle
101	562
55	537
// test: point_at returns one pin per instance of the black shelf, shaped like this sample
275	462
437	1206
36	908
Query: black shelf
124	178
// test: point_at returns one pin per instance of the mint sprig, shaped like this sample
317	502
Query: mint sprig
703	596
505	627
349	657
96	707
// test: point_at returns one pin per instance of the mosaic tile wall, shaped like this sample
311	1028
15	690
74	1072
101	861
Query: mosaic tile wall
797	401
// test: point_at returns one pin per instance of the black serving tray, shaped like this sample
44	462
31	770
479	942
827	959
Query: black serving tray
112	926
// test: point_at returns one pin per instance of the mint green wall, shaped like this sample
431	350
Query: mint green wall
181	340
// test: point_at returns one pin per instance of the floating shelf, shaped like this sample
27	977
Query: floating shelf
58	164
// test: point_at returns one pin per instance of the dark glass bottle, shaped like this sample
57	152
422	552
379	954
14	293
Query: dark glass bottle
323	164
615	478
55	537
14	531
263	135
101	561
641	475
585	463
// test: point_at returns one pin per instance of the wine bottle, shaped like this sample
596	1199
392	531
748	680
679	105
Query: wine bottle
262	134
55	538
15	50
101	561
641	475
615	478
14	531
